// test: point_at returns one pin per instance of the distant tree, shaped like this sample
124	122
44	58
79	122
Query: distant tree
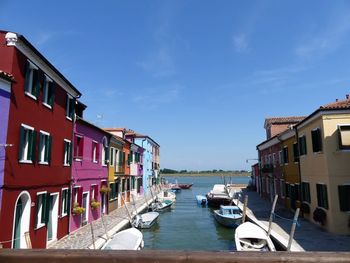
183	171
168	171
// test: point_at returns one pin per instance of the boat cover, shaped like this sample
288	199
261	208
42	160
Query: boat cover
129	239
250	230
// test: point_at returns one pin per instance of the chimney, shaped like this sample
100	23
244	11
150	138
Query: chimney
336	100
11	39
347	96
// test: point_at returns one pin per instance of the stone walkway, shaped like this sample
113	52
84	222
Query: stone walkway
110	224
309	236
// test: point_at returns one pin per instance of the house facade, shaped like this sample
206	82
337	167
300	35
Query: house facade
89	173
37	168
5	93
136	170
115	171
324	149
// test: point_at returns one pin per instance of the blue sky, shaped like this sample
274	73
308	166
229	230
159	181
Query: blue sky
199	77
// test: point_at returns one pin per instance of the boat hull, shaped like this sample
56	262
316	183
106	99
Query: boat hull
185	186
227	221
216	201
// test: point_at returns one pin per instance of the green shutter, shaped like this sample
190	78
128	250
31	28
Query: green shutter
21	142
37	210
41	138
325	196
36	83
48	148
71	108
344	197
51	93
26	83
32	145
68	201
47	207
70	153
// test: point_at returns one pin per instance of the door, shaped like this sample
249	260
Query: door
52	223
18	219
84	216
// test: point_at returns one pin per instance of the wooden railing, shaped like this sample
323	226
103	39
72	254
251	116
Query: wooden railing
151	256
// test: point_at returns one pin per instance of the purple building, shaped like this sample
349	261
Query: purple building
89	173
5	93
136	169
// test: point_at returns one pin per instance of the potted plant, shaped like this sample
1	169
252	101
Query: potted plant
305	208
94	204
320	216
104	189
77	210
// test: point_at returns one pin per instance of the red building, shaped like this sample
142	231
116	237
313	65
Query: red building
37	174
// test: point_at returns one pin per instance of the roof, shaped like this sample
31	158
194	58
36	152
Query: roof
283	120
92	125
338	104
115	129
6	76
28	44
129	132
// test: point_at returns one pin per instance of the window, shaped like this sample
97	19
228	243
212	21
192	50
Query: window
70	106
274	159
67	157
105	155
94	192
288	189
280	157
65	201
305	191
129	158
77	195
41	208
78	147
48	92
302	145
295	152
113	194
344	137
112	155
344	197
45	147
32	83
26	151
322	198
95	152
285	155
316	140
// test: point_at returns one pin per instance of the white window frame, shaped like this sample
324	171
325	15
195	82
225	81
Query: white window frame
40	210
75	197
29	92
112	153
94	151
24	158
93	191
46	91
66	154
41	154
284	161
339	146
69	97
63	205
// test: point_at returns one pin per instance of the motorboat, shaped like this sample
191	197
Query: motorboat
145	220
228	215
161	206
185	186
250	237
166	195
218	196
201	199
129	239
175	188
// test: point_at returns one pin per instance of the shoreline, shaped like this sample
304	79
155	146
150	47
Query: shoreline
206	174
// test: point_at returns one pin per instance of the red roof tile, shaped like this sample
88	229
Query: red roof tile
283	120
338	104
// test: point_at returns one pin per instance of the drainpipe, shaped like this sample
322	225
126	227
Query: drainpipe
144	166
299	170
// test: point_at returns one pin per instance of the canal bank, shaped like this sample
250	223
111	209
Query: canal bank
307	237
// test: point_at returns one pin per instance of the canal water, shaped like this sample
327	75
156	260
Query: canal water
188	226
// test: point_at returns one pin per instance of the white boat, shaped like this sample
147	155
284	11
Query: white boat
166	195
161	206
145	220
228	215
218	196
129	239
201	199
250	237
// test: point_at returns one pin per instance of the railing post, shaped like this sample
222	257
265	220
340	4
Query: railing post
293	229
271	215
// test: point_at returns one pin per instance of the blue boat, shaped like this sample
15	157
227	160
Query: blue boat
228	215
201	200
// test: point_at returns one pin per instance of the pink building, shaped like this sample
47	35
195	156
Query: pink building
89	173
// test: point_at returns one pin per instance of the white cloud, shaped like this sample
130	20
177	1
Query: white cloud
240	43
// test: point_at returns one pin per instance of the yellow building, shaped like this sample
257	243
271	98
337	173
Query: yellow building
324	149
115	170
290	168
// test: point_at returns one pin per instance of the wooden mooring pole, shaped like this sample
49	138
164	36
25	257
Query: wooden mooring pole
245	208
291	236
92	235
271	215
104	226
127	210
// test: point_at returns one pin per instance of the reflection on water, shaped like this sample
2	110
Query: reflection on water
188	226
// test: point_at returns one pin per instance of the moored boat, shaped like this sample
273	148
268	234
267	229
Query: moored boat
166	195
129	239
229	216
161	206
250	237
185	186
145	220
201	199
218	196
